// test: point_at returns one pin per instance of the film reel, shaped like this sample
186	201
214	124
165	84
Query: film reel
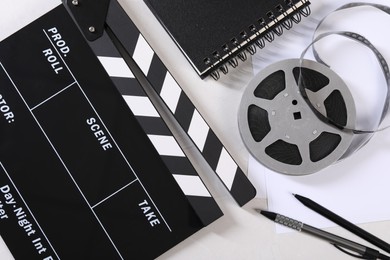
280	129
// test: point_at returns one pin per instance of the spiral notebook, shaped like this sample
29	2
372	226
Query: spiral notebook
213	34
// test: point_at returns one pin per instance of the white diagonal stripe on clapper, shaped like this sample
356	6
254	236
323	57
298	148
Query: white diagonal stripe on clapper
116	67
170	92
198	130
191	185
143	54
166	145
226	169
141	106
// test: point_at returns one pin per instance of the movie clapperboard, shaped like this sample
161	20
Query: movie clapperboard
88	168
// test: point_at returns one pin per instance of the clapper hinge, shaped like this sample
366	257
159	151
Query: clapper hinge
90	16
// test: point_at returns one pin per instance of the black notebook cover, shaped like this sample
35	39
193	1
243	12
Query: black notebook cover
211	32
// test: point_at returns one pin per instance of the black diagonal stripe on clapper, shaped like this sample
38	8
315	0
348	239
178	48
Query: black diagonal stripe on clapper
240	187
205	206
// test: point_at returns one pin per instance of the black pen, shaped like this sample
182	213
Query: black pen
343	223
366	252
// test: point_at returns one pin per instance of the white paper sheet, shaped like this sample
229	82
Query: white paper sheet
356	188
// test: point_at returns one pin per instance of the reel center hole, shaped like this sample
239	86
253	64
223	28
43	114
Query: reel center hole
297	115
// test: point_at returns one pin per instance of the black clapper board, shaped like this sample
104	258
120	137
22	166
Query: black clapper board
79	177
130	45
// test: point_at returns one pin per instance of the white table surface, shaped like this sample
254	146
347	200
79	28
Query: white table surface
241	233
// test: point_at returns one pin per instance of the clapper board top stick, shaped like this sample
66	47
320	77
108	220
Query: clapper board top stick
157	131
150	119
134	48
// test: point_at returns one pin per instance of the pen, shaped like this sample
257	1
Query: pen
366	252
343	222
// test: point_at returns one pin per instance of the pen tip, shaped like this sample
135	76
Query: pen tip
267	214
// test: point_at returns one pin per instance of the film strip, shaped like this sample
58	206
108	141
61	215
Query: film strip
366	132
362	40
179	104
157	131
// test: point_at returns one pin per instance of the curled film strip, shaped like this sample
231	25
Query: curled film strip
365	132
298	116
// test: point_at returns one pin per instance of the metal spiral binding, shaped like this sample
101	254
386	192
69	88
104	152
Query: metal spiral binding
282	21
